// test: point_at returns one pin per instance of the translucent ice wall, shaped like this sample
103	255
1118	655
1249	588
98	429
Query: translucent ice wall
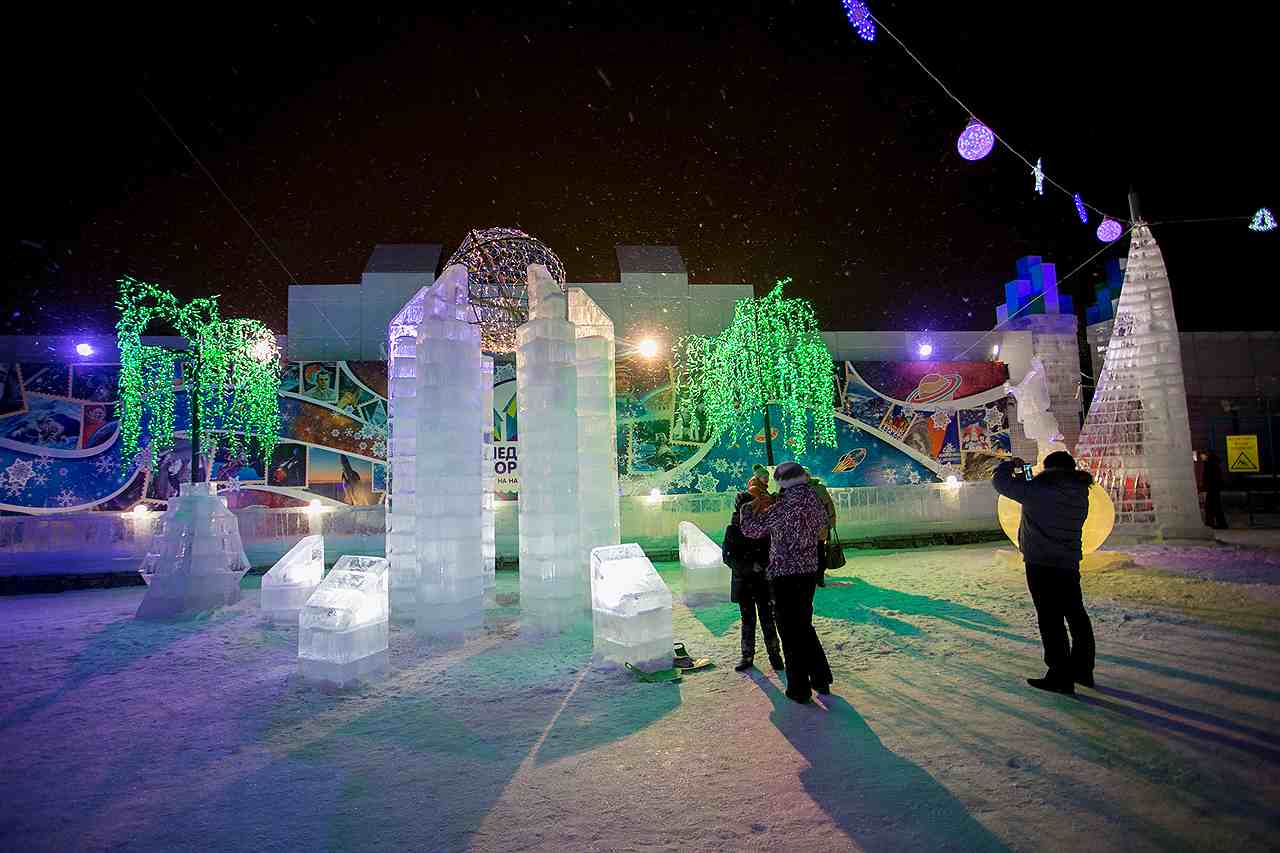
449	393
706	578
630	609
290	582
489	542
598	516
343	628
402	442
552	580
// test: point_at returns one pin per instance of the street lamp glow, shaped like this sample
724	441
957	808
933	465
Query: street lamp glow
84	349
995	350
648	348
139	509
925	350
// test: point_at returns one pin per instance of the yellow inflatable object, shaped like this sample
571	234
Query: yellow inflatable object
1097	526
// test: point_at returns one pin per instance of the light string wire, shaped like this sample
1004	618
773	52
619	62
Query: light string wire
947	91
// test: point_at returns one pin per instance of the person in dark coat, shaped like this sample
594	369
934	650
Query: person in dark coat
750	585
793	523
1055	504
1214	516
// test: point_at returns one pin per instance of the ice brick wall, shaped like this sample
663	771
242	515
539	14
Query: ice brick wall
402	443
488	518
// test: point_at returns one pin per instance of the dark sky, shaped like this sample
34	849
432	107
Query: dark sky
764	139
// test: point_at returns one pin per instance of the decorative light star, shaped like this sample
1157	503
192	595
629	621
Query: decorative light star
1038	172
1263	220
860	19
1080	209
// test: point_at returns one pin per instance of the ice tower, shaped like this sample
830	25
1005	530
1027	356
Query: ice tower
402	443
598	515
489	481
1136	439
451	422
553	571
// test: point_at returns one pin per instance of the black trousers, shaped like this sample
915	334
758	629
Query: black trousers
1057	597
793	608
753	598
1214	516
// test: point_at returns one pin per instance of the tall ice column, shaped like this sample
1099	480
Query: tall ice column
402	443
598	519
490	481
450	405
552	573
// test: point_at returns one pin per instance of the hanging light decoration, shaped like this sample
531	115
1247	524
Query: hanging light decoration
1109	230
1038	174
860	19
1263	220
1080	209
975	141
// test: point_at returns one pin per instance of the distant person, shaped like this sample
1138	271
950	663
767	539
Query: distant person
1214	516
792	522
1054	507
748	559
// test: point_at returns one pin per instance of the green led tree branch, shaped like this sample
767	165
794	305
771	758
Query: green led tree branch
230	370
773	352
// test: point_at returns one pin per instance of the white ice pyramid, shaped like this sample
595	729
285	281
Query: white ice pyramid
290	582
706	577
1136	439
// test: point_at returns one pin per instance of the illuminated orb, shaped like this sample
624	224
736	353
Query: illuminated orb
139	509
975	141
860	19
1080	209
648	348
264	350
925	350
497	262
84	349
1097	525
1109	230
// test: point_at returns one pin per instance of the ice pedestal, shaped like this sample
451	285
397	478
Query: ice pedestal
489	481
449	498
290	582
706	578
343	628
630	609
196	560
553	573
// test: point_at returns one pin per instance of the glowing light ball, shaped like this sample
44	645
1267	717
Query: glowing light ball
648	348
139	509
953	480
975	141
1080	209
313	505
654	494
264	350
1097	525
925	350
84	349
1109	230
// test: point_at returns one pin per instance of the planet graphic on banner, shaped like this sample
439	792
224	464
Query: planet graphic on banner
1097	525
850	460
934	387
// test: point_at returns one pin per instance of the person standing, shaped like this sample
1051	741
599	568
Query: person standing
750	585
1055	504
792	523
1214	516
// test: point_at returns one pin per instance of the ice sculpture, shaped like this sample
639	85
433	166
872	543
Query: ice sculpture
706	578
1038	423
489	480
553	579
598	516
290	582
630	609
449	498
196	561
1136	439
343	628
402	443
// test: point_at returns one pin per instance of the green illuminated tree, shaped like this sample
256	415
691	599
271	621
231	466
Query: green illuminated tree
774	353
230	370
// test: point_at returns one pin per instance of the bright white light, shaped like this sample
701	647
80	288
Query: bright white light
654	494
953	480
263	350
925	350
84	349
139	509
648	348
995	350
314	505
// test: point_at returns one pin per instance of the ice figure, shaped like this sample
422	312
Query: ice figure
1136	439
196	561
290	582
553	579
630	609
489	542
343	628
598	517
449	498
706	577
1038	423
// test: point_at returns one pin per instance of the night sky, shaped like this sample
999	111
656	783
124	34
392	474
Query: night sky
763	139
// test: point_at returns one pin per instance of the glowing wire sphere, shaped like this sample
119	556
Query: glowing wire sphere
1109	230
975	141
1080	208
497	262
1097	525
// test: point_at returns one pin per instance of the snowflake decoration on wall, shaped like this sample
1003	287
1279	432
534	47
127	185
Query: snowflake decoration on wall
40	479
66	498
738	469
104	465
948	448
940	419
913	476
707	483
720	466
16	476
889	476
43	463
683	480
994	419
376	436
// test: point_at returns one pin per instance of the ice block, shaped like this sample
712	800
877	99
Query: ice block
290	582
706	578
630	609
343	628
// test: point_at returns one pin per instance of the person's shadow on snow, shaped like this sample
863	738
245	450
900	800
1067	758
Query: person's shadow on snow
878	799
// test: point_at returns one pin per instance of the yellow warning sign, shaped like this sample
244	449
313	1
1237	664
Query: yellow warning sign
1242	454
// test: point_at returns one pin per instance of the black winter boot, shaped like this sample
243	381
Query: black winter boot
744	665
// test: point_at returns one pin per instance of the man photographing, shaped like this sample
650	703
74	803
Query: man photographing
1055	503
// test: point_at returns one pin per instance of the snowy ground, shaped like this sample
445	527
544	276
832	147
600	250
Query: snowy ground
122	735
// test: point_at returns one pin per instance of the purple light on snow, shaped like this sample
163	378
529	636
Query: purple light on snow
975	141
84	349
1109	230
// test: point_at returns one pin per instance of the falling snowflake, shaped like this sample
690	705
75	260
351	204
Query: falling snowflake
940	419
104	465
707	483
66	498
15	477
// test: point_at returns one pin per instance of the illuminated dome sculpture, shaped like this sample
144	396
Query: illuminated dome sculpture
497	261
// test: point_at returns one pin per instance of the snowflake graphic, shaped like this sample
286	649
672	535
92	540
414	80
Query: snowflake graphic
720	466
11	488
43	463
738	469
889	476
66	498
948	448
15	477
40	479
940	419
913	476
335	432
707	483
104	465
